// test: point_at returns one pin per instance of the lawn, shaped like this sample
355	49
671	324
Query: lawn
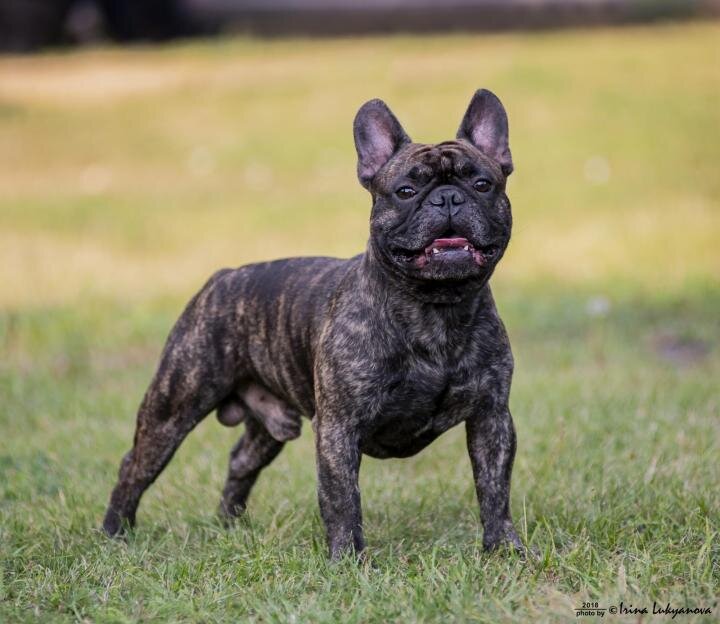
128	176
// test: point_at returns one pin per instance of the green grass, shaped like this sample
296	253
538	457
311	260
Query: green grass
130	175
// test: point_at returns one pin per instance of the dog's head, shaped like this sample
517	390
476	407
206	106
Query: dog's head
440	214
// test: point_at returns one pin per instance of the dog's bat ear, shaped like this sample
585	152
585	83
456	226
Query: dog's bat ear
485	125
378	136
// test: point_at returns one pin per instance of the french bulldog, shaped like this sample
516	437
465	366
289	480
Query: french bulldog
383	352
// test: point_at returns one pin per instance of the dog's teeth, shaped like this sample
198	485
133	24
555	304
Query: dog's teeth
436	250
467	248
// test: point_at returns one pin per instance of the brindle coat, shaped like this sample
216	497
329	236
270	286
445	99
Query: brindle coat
384	351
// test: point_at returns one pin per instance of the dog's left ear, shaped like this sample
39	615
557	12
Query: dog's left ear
485	125
378	137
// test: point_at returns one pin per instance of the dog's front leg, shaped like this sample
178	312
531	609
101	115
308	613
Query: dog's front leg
491	444
338	464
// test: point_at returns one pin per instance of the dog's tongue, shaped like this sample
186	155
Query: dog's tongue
444	243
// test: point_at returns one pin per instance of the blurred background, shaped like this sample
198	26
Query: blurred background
144	145
33	24
131	172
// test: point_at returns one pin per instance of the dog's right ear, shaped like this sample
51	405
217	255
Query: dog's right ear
378	136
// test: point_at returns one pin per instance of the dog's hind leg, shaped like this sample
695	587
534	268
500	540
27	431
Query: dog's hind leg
269	423
198	368
255	450
158	435
163	422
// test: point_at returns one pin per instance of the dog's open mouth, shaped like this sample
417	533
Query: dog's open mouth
455	249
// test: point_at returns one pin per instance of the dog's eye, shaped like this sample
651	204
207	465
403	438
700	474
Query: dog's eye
482	186
406	192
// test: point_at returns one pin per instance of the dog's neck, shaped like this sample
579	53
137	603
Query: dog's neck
433	321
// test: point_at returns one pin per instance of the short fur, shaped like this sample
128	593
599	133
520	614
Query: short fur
384	351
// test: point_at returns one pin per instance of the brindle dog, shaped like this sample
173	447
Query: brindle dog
384	351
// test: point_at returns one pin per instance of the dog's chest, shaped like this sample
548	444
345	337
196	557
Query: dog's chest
422	396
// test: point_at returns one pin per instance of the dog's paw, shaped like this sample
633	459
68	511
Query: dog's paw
504	539
115	526
228	513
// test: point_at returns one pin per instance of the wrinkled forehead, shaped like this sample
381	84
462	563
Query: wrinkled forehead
422	162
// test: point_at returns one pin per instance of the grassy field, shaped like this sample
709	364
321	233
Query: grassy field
128	176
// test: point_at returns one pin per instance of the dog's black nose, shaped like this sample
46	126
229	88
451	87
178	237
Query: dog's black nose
449	197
